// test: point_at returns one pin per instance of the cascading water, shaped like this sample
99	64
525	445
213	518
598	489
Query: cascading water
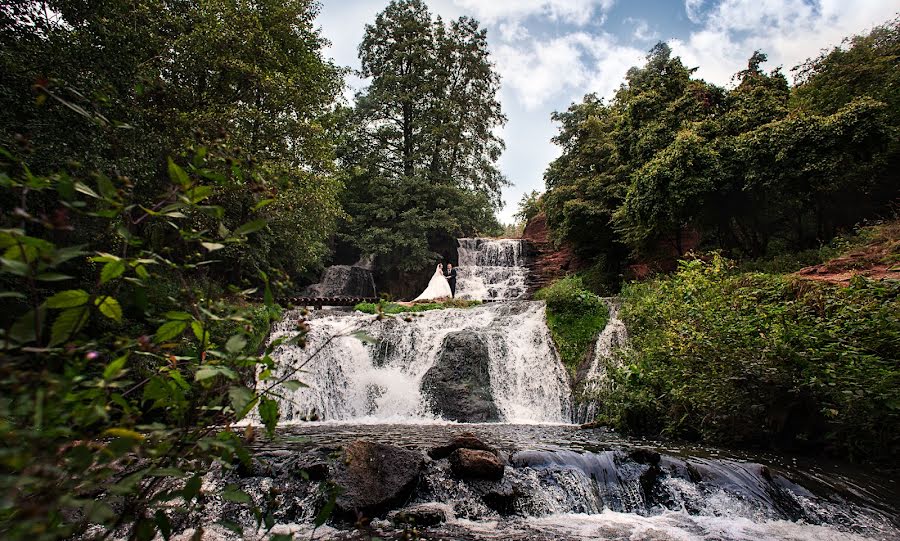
386	380
491	269
362	368
614	335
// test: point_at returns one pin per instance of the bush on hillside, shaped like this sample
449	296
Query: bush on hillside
574	316
765	360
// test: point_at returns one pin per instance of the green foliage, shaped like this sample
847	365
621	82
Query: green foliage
529	206
753	359
121	86
420	149
575	316
390	308
757	168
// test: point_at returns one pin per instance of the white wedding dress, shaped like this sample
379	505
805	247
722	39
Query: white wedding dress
438	287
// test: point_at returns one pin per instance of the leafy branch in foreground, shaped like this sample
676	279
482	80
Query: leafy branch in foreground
115	399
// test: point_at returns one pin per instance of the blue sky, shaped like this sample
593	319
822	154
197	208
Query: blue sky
550	53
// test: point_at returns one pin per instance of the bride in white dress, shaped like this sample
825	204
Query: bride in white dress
438	287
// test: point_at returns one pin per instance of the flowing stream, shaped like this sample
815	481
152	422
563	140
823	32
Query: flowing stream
368	379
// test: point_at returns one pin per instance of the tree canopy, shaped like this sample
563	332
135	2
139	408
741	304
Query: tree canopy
755	169
421	149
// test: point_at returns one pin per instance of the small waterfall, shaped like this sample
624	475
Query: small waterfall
613	336
376	374
491	269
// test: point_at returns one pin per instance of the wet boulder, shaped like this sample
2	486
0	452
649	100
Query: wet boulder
343	281
374	478
476	464
458	385
421	515
465	440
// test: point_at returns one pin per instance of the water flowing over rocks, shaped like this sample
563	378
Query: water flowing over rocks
592	378
491	269
391	393
370	369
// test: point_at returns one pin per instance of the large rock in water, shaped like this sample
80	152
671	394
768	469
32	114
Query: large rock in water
476	464
374	478
459	384
343	281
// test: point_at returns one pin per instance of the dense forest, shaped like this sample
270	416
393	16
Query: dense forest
169	169
673	163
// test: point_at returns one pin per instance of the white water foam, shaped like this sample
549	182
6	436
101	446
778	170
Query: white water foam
378	376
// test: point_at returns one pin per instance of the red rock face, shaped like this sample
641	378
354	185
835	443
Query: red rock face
548	262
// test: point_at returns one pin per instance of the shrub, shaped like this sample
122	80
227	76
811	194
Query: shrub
755	359
574	316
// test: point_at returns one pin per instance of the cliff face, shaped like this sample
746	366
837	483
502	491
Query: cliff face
547	262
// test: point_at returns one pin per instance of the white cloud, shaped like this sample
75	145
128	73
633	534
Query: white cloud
642	30
578	12
569	65
788	31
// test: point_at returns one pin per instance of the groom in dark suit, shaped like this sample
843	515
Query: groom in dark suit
451	278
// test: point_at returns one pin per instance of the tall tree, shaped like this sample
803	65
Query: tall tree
158	76
423	157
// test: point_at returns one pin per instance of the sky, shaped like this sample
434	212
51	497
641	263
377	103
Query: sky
550	53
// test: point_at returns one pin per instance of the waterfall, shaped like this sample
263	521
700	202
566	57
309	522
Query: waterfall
361	368
614	335
491	269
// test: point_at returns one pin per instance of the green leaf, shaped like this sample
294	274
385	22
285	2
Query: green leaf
201	334
109	307
262	203
15	267
249	227
107	190
268	412
192	488
114	369
326	511
112	270
162	522
53	277
12	295
236	343
177	174
178	316
210	371
233	494
141	271
293	384
23	330
364	337
68	299
67	324
170	330
241	400
199	193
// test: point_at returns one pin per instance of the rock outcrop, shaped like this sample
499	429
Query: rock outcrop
465	440
426	514
459	384
374	478
476	464
343	281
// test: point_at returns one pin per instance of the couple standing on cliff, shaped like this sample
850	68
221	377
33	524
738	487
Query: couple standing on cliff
441	286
